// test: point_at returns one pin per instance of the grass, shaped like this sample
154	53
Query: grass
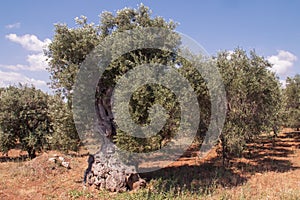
76	194
271	172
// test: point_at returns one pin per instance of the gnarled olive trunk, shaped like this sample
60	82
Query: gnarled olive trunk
105	170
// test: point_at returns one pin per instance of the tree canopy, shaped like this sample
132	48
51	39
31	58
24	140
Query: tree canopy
253	96
292	102
35	121
24	119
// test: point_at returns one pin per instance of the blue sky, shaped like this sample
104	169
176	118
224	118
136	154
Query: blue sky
271	27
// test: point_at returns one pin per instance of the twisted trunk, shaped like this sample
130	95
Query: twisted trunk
105	171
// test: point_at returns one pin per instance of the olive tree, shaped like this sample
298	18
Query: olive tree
24	119
253	99
71	46
292	102
63	135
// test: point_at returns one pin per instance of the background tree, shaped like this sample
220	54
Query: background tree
63	135
292	102
253	98
24	119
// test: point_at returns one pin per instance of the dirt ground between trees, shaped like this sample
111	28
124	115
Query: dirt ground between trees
267	171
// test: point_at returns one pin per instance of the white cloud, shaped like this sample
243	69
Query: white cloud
36	62
282	62
29	42
15	25
11	78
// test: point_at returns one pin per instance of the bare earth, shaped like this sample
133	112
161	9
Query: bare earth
269	171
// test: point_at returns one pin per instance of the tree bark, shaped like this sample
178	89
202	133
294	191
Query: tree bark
105	171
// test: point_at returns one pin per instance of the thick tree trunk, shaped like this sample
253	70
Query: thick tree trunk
105	171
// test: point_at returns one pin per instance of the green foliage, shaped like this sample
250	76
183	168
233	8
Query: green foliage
253	99
67	51
35	120
140	105
63	135
70	47
23	119
292	102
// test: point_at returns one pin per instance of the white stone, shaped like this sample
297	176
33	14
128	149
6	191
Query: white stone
61	158
52	160
65	164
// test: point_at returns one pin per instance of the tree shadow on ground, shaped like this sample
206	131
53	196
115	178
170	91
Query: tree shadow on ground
14	155
295	136
19	158
195	178
264	157
78	154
